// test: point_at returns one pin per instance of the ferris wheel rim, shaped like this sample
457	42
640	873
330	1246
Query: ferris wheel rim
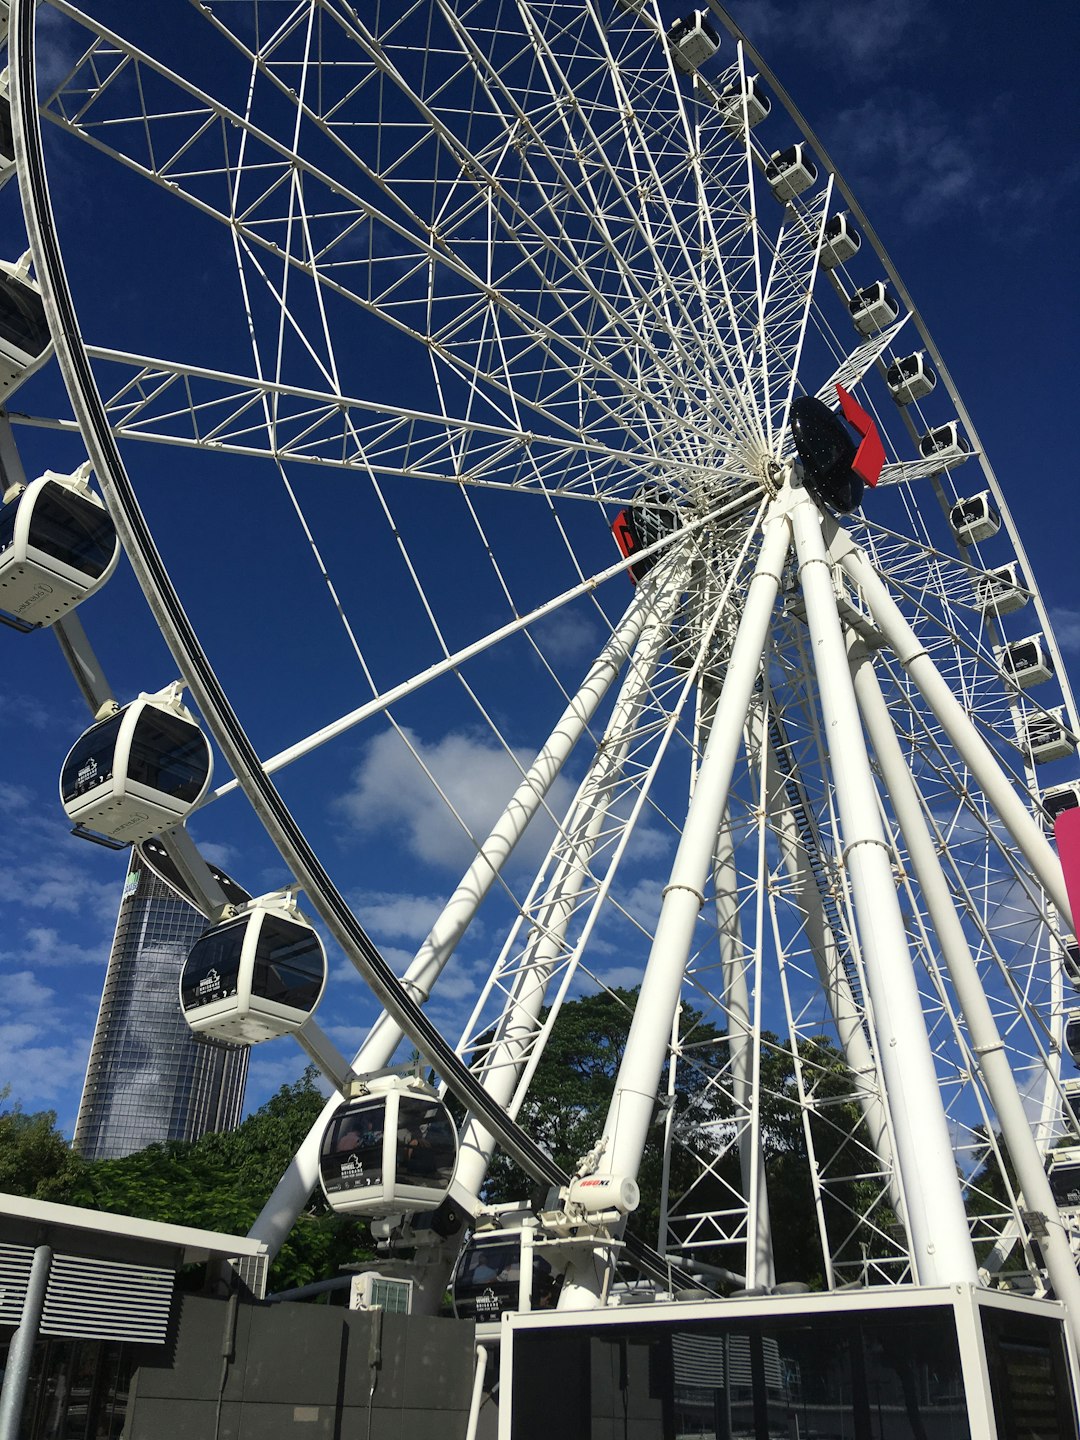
892	273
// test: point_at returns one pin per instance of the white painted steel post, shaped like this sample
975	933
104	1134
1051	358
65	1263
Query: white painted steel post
516	1027
638	1081
848	1015
986	1041
941	1244
743	1045
954	720
657	598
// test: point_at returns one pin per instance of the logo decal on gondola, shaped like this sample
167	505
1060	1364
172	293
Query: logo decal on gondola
353	1165
210	984
87	774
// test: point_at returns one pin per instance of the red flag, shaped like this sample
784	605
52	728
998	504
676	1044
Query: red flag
870	456
1067	835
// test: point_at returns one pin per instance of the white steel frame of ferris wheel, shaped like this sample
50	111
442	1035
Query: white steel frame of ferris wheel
1005	794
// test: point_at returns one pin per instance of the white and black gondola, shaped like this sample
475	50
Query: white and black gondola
731	104
910	378
138	770
872	308
840	241
692	41
649	517
1056	799
1065	1177
999	591
1071	1037
58	545
946	443
1027	662
390	1150
25	341
790	172
256	975
1070	960
1046	737
499	1271
975	518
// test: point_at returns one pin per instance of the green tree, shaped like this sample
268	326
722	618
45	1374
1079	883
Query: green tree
568	1099
221	1182
33	1153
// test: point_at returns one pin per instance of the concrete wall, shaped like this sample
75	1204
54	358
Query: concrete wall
303	1371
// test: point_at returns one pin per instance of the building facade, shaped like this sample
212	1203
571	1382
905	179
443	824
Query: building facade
148	1078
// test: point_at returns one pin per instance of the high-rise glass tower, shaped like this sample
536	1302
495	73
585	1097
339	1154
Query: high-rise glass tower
149	1078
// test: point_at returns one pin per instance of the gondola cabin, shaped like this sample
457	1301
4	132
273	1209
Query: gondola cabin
731	107
1070	960
1046	737
25	342
790	172
57	546
975	519
872	308
1027	662
999	592
1071	1038
910	379
692	40
839	243
1056	799
648	518
490	1277
1065	1177
256	976
137	771
945	443
391	1150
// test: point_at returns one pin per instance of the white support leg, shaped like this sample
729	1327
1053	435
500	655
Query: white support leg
638	1081
941	1243
986	1042
848	1015
744	1045
572	852
954	719
654	604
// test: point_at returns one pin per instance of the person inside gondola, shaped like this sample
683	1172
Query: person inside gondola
416	1154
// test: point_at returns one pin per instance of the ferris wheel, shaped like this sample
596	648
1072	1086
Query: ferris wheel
500	400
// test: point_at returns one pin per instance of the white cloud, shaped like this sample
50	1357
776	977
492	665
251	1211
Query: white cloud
847	31
44	946
401	916
392	794
1066	625
568	635
20	987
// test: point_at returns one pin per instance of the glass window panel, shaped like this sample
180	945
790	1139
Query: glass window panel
212	970
289	964
351	1157
170	754
427	1144
72	529
91	760
22	317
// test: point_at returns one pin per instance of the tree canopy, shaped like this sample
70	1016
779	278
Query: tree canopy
219	1182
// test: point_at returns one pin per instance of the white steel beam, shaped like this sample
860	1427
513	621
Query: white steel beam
954	720
986	1041
638	1081
941	1244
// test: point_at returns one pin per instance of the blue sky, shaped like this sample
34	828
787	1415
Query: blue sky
959	139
